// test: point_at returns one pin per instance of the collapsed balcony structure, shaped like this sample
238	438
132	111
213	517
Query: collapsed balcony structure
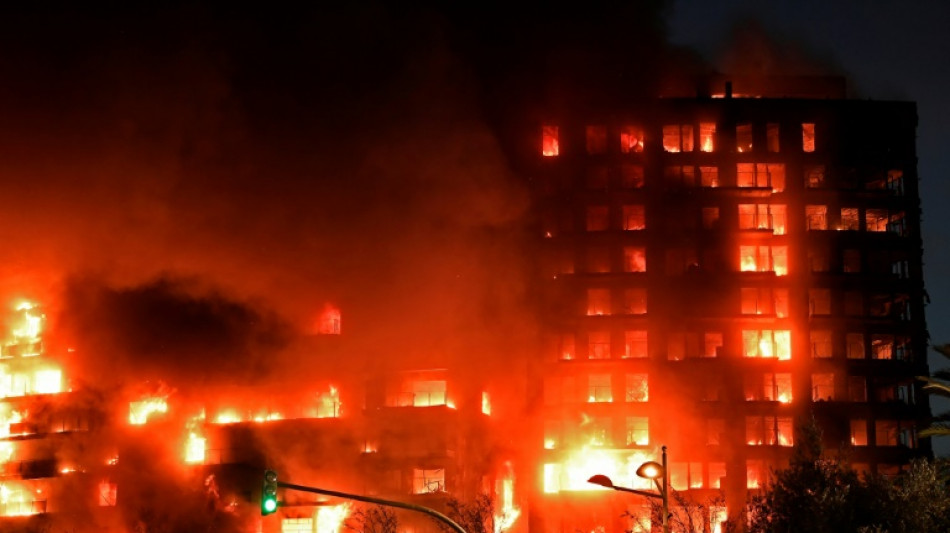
718	271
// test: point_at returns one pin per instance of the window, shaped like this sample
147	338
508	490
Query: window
756	474
767	343
855	345
549	141
598	302
631	176
428	480
680	261
678	138
876	220
631	139
768	431
895	182
851	261
853	303
635	344
822	387
764	301
679	175
598	345
814	176
566	347
857	389
426	393
766	175
707	136
882	346
859	432
744	138
717	472
596	139
637	388
598	388
808	136
764	259
715	429
296	525
772	137
635	301
775	388
712	343
850	220
816	217
818	259
598	217
638	431
560	390
598	259
885	432
821	344
709	176
634	218
819	302
762	216
685	476
597	431
710	217
634	259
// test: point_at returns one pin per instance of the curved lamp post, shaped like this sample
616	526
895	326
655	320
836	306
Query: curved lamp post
648	470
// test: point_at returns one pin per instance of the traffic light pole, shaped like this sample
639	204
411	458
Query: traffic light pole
378	501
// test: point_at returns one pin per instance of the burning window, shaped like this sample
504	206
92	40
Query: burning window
678	138
566	347
767	343
707	136
330	321
596	139
772	137
821	344
876	220
680	344
599	389
744	138
680	175
756	474
549	141
717	473
598	217
814	176
107	493
598	259
895	182
597	431
598	345
685	476
777	388
598	302
710	217
857	389
596	178
631	176
816	217
635	344
765	175
763	216
635	301
634	218
819	302
638	431
850	219
552	478
769	431
712	343
882	346
637	389
709	176
634	259
631	139
822	387
715	431
428	480
140	411
859	432
764	301
764	259
808	136
855	345
428	392
885	432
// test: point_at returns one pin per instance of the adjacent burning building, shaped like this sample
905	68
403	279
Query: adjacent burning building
719	270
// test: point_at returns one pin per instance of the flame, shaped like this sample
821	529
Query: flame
573	473
328	404
31	324
330	518
486	404
195	448
509	513
16	499
139	411
785	397
228	416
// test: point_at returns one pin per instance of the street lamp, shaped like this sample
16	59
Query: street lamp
649	470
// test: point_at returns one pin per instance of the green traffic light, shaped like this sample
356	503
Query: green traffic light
270	505
269	493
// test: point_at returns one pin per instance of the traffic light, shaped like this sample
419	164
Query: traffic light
269	493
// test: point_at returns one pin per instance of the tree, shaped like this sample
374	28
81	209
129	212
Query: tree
939	385
372	519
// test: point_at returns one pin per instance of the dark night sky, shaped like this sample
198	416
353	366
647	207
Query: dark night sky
889	50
